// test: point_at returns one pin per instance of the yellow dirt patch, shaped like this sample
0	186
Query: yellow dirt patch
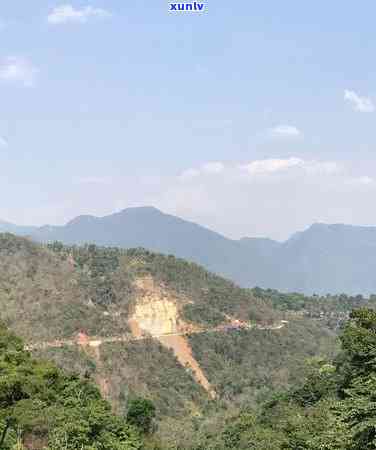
156	310
135	329
156	316
183	352
156	313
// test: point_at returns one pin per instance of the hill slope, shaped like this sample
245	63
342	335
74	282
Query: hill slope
136	322
45	408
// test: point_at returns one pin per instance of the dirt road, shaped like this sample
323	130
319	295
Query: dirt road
97	341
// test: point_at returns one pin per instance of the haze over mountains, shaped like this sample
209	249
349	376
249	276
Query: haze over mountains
322	259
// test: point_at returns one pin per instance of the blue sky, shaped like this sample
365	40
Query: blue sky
253	118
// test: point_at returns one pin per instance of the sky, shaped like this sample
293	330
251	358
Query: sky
250	118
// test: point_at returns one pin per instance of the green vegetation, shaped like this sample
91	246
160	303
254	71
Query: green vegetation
106	275
215	294
203	315
333	310
39	287
333	409
248	365
268	396
141	414
148	369
42	407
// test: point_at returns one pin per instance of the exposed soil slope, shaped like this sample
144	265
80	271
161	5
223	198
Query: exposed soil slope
181	348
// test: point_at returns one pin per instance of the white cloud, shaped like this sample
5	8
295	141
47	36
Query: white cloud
18	70
360	104
214	167
363	181
67	13
3	142
287	193
189	174
285	199
264	166
286	131
273	166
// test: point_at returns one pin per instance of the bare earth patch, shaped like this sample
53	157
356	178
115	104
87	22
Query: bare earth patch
156	313
183	353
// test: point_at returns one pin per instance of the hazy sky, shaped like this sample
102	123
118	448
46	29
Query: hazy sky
252	118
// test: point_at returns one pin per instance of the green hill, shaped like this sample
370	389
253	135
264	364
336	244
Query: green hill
123	301
42	407
141	323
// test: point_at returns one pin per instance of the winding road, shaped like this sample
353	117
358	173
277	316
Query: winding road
84	340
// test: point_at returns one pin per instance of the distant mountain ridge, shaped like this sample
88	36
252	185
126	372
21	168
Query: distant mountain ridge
7	227
322	259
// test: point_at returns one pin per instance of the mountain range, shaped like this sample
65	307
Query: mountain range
322	259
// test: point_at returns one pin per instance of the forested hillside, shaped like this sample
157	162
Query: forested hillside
138	323
41	407
333	409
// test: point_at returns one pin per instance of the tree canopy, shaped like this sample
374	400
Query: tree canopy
43	407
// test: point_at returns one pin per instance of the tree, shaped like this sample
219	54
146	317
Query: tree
358	408
141	413
53	410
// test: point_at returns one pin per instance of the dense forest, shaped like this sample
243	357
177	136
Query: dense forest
44	408
332	408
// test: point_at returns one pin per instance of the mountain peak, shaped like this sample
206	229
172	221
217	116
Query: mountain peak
140	210
327	226
81	220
